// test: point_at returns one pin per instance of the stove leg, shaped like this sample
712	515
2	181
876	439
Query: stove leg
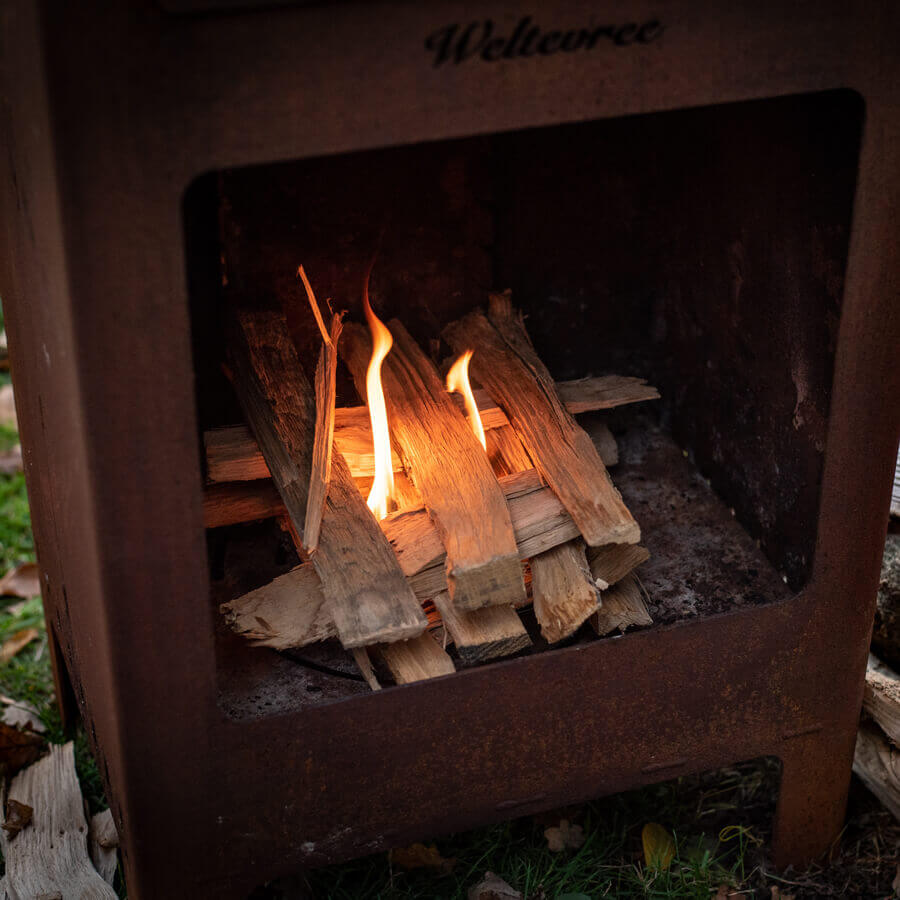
812	799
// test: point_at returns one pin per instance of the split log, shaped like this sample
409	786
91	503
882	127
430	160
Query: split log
877	764
563	591
416	659
232	453
448	466
236	502
505	451
621	606
49	857
104	841
364	588
882	698
483	633
610	564
507	366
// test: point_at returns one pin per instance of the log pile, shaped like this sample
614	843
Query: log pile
477	535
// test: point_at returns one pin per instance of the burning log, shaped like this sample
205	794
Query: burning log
449	468
484	633
232	453
621	606
364	588
507	366
564	591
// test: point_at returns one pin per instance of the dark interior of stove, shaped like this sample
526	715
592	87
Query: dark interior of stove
703	250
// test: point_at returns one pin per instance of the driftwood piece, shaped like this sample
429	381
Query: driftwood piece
104	843
563	591
621	606
416	659
232	453
882	698
507	366
448	466
365	590
49	857
323	441
877	764
484	633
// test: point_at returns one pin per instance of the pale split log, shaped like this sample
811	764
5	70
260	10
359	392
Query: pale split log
882	697
49	857
364	664
104	843
612	562
232	453
449	468
506	365
416	659
323	441
483	633
563	591
877	764
365	590
621	606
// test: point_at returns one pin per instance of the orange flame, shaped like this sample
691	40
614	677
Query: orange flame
383	486
458	380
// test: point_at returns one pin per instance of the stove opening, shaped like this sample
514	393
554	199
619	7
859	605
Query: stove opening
695	254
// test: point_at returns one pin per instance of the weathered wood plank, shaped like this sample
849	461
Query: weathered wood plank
507	366
49	857
449	468
232	453
416	659
483	633
364	588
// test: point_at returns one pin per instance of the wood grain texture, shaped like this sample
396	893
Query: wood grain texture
49	857
364	588
416	659
364	664
882	698
323	440
232	453
449	469
483	633
563	591
612	562
621	606
877	763
104	843
234	502
507	366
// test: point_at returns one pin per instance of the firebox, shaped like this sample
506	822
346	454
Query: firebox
675	220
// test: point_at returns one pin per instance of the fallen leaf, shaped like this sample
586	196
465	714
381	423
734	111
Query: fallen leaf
564	836
22	714
18	815
23	581
17	643
18	748
659	846
492	887
418	856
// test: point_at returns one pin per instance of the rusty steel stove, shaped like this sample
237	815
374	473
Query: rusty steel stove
626	170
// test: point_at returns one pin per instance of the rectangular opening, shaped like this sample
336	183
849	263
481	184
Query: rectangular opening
703	250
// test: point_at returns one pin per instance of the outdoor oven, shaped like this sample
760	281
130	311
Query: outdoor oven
704	197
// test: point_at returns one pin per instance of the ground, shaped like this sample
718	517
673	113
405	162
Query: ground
720	822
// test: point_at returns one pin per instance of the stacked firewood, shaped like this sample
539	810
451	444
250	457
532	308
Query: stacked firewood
476	536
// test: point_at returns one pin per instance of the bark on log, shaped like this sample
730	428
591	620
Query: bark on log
507	366
448	466
364	588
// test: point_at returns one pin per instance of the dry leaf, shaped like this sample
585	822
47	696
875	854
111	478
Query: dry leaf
564	836
23	581
18	815
18	642
21	714
18	748
418	856
492	887
659	846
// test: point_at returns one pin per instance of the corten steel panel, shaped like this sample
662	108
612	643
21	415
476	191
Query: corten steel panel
110	111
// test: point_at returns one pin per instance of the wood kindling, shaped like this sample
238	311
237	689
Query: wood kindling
416	659
621	606
364	587
449	468
563	590
507	367
483	633
232	453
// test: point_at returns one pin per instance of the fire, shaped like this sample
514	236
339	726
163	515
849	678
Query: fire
383	486
458	380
